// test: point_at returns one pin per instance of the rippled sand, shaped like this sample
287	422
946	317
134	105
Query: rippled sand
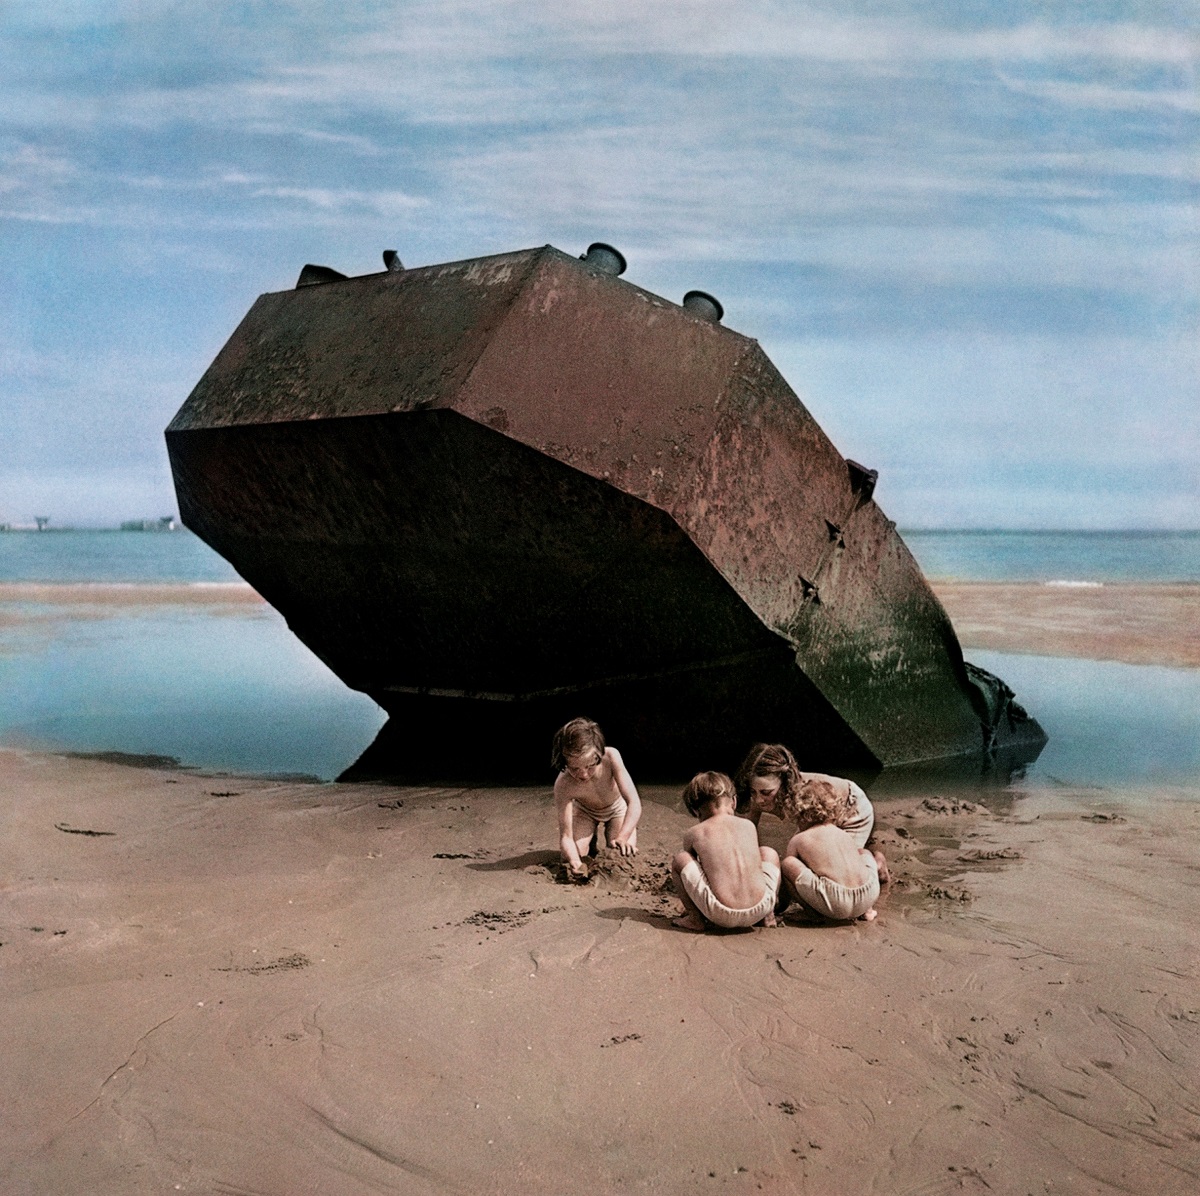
219	985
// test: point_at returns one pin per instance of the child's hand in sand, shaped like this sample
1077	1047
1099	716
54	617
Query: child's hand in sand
624	846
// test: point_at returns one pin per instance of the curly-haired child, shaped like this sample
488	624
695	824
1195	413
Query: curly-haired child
825	868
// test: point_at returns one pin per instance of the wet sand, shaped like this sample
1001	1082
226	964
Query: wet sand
217	985
1136	624
127	594
213	984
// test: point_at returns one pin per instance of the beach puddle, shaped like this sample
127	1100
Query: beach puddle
222	684
224	688
1109	723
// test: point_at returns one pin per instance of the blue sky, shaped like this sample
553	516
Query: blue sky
966	232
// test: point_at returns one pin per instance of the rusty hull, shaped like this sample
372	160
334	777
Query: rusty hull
498	493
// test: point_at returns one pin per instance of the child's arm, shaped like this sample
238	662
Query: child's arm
566	829
626	841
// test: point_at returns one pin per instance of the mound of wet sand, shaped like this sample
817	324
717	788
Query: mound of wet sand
280	988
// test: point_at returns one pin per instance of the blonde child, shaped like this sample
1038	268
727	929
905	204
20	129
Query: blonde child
770	782
722	876
825	868
593	791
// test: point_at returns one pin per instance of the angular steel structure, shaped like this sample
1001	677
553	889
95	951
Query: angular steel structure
495	494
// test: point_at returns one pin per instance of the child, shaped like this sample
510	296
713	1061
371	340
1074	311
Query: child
770	782
722	875
593	790
825	868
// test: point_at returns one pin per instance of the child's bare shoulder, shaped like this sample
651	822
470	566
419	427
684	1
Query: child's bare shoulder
725	832
812	834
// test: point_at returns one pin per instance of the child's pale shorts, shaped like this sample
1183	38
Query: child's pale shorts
835	901
695	884
611	819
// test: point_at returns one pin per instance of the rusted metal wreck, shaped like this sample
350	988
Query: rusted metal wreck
495	494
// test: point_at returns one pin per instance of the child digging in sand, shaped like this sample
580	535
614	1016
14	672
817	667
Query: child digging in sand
722	875
594	790
825	868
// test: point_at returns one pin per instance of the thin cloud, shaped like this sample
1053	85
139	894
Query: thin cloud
350	141
764	29
383	203
62	216
1103	98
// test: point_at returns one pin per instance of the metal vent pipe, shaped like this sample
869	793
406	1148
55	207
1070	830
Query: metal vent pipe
604	258
704	305
312	276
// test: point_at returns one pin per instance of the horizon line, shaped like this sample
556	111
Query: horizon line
13	526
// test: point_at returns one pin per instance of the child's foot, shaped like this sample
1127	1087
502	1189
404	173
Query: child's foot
689	922
885	873
870	915
770	921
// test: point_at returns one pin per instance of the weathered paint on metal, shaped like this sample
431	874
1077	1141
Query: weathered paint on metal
504	490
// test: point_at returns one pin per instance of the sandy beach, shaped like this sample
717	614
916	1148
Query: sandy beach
222	985
1126	621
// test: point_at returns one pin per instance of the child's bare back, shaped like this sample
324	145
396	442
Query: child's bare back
830	852
728	851
829	873
722	876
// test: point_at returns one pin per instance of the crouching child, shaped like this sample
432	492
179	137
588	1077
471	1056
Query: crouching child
825	869
722	876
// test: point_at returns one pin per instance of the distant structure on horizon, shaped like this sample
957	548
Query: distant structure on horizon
498	493
165	523
41	523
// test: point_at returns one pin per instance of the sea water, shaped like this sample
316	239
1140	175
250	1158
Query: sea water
100	556
226	686
1057	556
